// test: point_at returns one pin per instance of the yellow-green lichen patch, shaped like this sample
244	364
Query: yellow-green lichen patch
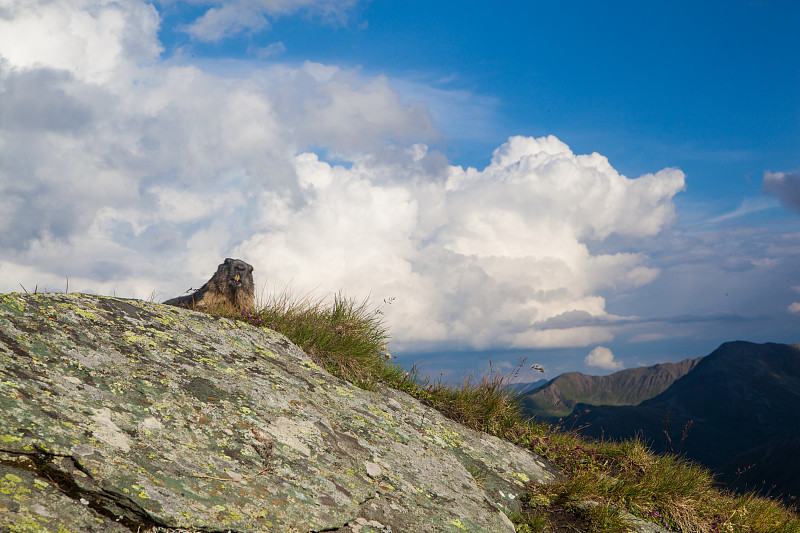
165	319
12	478
10	485
345	391
31	505
522	477
133	338
265	352
444	437
12	304
86	314
312	365
154	332
458	524
385	416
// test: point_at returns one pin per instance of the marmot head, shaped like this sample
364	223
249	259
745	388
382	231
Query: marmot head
236	274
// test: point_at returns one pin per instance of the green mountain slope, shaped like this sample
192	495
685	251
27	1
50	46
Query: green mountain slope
558	397
736	412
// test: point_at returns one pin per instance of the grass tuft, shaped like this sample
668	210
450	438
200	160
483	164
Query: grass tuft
344	336
489	404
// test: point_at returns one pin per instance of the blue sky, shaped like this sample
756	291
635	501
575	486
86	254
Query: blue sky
330	144
711	86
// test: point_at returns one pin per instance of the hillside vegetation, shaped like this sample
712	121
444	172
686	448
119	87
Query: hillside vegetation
734	412
348	338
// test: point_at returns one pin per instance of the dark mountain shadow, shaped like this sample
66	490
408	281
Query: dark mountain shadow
737	411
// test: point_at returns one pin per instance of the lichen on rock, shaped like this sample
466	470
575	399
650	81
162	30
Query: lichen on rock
123	415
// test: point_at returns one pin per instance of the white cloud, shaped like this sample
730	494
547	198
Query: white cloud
459	113
747	207
483	258
131	175
231	17
92	40
272	49
784	185
601	357
227	19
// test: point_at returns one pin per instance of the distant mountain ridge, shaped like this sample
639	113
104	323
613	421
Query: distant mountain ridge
742	402
559	396
524	388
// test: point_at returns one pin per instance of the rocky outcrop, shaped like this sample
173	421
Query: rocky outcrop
122	415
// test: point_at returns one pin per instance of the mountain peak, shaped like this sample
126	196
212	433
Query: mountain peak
559	396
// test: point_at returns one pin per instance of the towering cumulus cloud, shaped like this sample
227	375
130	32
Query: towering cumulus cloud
485	258
130	174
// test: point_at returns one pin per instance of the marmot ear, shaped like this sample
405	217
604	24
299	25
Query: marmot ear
228	260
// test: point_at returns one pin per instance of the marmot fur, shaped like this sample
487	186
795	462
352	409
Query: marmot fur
230	287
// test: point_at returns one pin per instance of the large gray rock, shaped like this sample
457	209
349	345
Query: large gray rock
122	415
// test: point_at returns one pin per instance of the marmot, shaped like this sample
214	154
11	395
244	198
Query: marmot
231	287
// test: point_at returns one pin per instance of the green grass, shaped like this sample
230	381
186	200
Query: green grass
348	338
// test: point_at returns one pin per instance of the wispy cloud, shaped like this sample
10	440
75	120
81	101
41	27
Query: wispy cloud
459	112
271	50
747	207
229	18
